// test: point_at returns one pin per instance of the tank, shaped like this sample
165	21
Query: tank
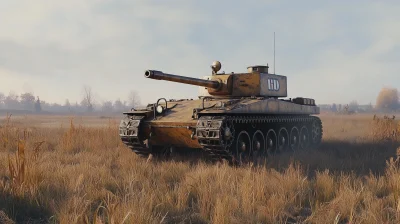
239	117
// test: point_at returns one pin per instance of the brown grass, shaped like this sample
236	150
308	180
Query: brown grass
80	173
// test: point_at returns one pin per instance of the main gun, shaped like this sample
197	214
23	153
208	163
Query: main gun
153	74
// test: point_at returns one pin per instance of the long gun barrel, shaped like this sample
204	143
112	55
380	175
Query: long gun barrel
152	74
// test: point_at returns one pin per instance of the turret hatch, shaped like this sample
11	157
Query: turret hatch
258	68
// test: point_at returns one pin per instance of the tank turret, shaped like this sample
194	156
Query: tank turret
255	82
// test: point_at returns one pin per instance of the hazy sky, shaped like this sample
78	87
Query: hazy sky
332	51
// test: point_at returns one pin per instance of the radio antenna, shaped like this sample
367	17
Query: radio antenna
274	52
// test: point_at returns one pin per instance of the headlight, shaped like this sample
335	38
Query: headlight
160	109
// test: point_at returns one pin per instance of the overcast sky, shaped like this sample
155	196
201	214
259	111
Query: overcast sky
331	51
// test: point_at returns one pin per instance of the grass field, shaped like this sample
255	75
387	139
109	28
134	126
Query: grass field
59	169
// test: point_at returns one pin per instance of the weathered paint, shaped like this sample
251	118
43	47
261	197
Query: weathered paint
225	87
182	112
176	134
249	84
246	84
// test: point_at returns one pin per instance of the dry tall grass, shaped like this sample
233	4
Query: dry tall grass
80	174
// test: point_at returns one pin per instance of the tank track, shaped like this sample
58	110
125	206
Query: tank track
210	132
211	129
129	134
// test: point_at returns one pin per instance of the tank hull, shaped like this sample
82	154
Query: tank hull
218	126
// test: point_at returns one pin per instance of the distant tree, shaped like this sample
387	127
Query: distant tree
388	99
77	107
107	106
87	100
2	98
369	107
11	101
56	106
38	106
334	108
133	99
27	101
353	105
119	105
67	105
45	106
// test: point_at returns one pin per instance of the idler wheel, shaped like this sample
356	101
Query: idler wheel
316	132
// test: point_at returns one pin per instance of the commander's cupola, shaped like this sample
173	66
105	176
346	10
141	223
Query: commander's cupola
258	68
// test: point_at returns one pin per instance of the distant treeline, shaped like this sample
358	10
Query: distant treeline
28	103
386	101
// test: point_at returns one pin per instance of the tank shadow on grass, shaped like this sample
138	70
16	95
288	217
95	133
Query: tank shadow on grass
340	157
335	155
